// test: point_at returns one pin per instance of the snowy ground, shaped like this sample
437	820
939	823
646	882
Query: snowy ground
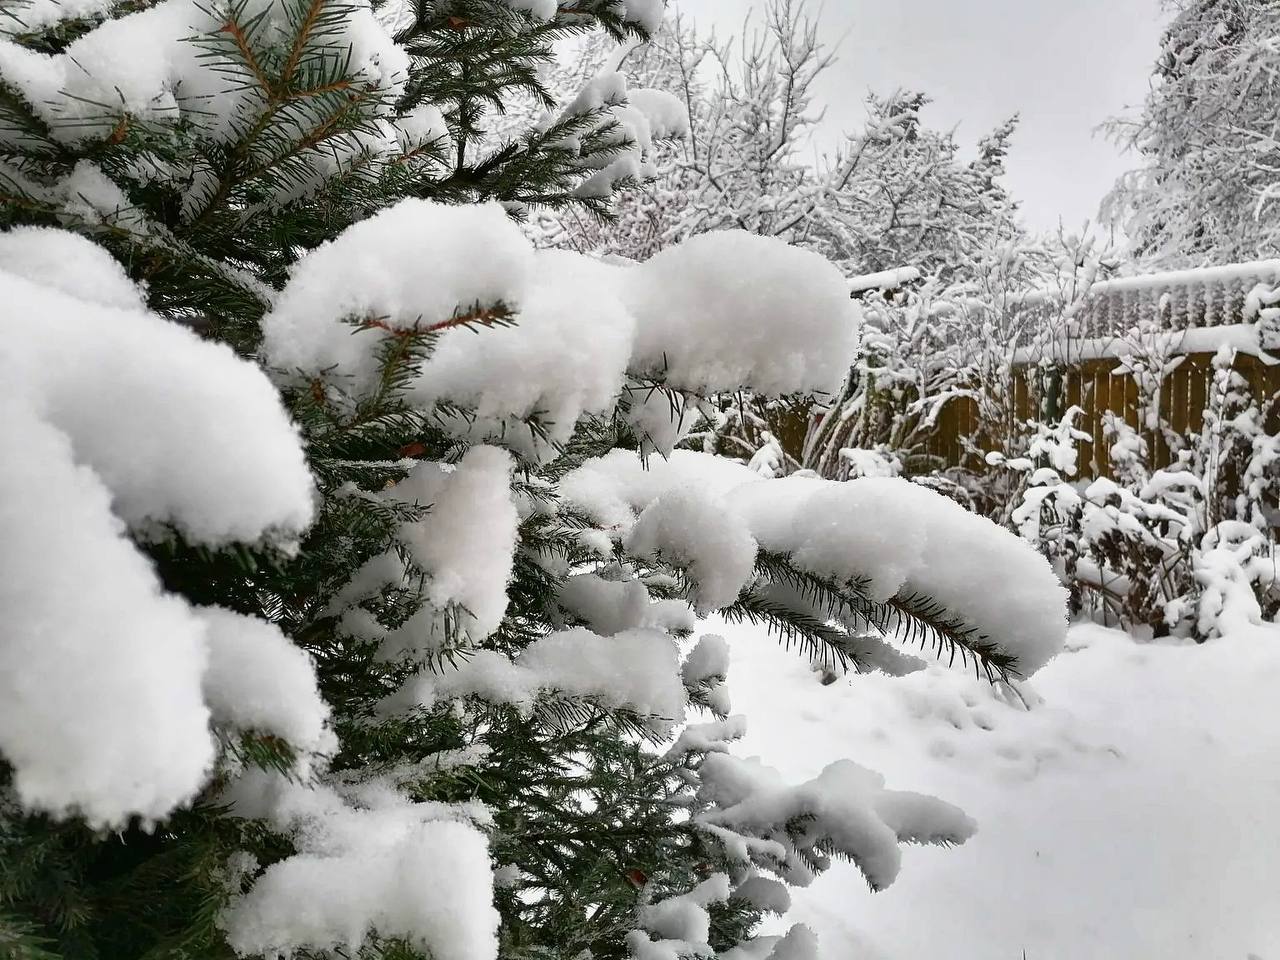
1135	814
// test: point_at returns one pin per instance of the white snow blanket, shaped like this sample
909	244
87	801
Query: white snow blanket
1131	814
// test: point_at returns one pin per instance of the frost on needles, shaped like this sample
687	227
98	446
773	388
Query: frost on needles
352	572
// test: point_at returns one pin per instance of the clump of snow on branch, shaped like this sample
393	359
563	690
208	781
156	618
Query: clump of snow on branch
466	541
128	424
714	737
462	542
845	809
414	266
41	254
257	680
99	642
615	488
704	671
367	861
681	923
573	307
903	540
779	321
635	670
799	943
893	538
747	289
606	606
693	532
764	893
627	123
646	14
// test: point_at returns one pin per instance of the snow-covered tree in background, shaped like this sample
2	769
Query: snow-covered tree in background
1208	191
351	583
894	194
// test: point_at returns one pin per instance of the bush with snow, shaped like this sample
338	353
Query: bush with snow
1187	548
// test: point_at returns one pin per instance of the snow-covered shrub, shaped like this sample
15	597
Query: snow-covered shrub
1188	547
351	577
988	337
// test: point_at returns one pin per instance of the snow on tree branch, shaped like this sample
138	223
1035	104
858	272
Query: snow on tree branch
127	424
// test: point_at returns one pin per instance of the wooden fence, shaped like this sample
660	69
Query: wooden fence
1203	306
1097	386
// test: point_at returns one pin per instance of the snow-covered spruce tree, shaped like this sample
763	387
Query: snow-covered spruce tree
1208	189
344	615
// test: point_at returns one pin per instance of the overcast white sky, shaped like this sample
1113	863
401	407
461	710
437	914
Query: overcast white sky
1064	65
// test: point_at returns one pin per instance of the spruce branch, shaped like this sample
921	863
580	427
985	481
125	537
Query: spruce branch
816	638
914	618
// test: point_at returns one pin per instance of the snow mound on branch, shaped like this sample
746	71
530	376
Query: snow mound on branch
123	420
41	255
703	672
631	125
666	113
903	540
799	943
713	737
257	680
606	606
153	65
614	488
100	705
369	861
635	670
708	659
764	893
566	356
659	418
423	125
181	430
681	923
895	539
689	530
413	266
845	808
605	88
646	14
577	336
466	543
731	310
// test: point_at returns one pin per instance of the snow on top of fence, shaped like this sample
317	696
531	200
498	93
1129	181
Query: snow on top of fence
1235	274
1179	300
1241	337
